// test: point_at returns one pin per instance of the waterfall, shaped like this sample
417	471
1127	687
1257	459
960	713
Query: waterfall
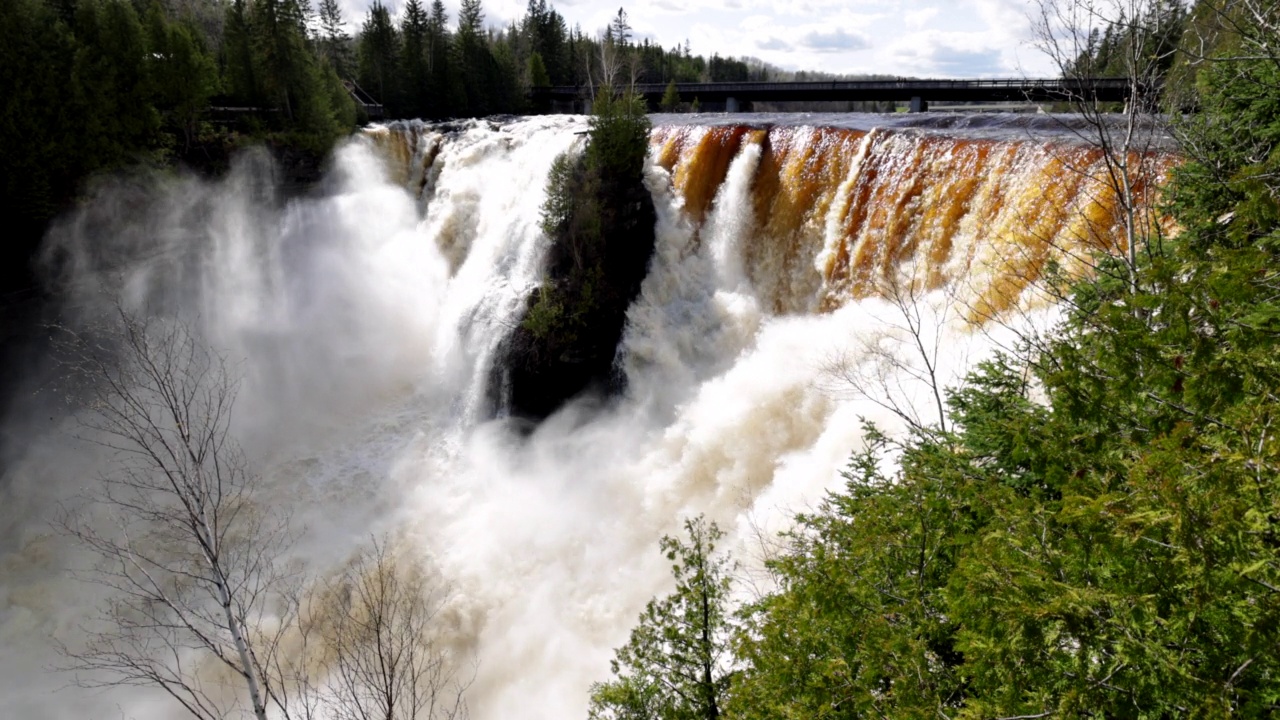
364	317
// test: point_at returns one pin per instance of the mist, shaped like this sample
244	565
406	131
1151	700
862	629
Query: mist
362	318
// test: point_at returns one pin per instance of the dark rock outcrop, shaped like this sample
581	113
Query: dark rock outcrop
567	342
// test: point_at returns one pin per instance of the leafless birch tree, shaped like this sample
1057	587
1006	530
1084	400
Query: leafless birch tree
888	367
385	659
1068	32
186	553
199	601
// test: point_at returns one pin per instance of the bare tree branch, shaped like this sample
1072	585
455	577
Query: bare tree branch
188	555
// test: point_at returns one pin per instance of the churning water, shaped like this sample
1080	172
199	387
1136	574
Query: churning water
364	318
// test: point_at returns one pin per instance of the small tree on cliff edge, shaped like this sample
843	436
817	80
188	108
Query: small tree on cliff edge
675	665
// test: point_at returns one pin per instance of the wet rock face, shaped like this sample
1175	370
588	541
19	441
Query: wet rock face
542	365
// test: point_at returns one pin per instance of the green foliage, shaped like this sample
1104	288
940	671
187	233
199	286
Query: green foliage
1098	533
415	60
670	99
545	318
1143	33
619	137
240	71
96	86
557	209
110	84
584	212
860	626
333	43
676	666
289	75
544	31
183	74
379	58
474	70
41	159
538	76
1139	41
344	109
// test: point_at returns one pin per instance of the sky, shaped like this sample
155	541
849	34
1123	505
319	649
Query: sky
919	38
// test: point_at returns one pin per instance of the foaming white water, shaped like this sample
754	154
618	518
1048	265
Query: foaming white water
365	318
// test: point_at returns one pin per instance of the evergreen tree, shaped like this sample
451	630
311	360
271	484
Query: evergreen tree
291	80
670	99
446	88
334	42
416	73
240	71
474	60
1095	535
45	151
538	76
544	32
619	29
379	56
507	93
675	666
183	75
110	84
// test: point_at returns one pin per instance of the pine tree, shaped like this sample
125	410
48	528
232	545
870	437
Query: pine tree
335	43
111	86
620	28
379	56
240	71
544	31
414	60
291	80
670	99
475	62
675	666
538	76
183	75
39	173
445	88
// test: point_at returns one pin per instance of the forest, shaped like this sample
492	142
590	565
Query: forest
95	87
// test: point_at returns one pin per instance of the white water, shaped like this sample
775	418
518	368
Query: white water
365	350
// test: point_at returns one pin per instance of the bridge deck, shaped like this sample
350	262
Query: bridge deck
998	90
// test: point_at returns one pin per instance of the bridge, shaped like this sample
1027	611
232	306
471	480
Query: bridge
735	96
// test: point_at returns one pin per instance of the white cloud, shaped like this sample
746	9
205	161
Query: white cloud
670	5
917	19
774	43
955	38
837	40
936	53
1009	17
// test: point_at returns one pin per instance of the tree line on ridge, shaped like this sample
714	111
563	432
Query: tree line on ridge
97	86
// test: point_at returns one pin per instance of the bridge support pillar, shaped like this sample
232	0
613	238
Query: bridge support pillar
731	105
919	104
586	106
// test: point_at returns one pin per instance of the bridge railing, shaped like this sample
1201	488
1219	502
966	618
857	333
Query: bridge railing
924	86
